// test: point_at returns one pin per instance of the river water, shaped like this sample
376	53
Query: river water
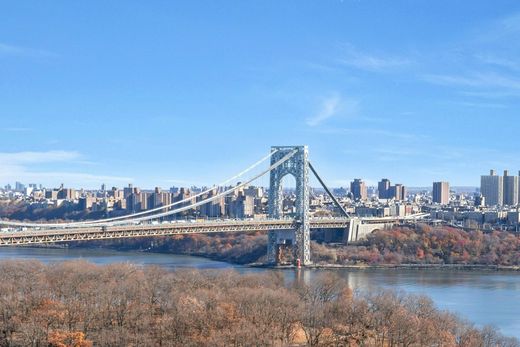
483	297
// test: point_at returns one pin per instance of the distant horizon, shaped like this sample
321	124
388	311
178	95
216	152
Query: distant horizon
148	188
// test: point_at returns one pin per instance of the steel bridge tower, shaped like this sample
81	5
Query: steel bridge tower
299	238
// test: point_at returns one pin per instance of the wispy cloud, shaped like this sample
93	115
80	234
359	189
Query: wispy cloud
54	178
492	94
511	23
332	106
37	157
328	109
499	61
17	129
453	156
8	49
26	166
502	29
321	67
369	61
376	133
483	65
84	178
475	80
481	104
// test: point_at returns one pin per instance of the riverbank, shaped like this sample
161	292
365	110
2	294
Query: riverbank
419	267
451	267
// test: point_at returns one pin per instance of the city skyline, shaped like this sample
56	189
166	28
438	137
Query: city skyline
182	94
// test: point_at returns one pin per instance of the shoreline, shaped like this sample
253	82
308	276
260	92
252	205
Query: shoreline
419	267
455	267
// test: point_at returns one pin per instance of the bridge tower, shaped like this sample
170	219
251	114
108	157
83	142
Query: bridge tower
299	238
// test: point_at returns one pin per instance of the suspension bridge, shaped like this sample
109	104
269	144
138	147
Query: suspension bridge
282	232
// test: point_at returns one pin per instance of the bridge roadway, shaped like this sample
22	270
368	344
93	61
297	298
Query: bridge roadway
49	235
34	236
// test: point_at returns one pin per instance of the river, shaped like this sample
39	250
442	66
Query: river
483	297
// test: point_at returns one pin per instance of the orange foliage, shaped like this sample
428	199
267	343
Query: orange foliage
56	305
442	245
60	338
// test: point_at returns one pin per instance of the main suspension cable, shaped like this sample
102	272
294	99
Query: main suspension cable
101	221
205	201
154	216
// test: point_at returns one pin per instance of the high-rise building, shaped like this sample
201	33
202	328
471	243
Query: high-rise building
387	191
136	200
240	207
85	202
51	194
118	194
492	188
215	208
66	194
441	193
393	191
128	190
404	193
144	198
479	201
358	189
397	192
159	198
518	194
255	192
510	189
383	188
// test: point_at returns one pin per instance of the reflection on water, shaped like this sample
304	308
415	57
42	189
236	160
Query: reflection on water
483	297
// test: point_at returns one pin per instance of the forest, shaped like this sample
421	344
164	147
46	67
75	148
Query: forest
80	304
427	245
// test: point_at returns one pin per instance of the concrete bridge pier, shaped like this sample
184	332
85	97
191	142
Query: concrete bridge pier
358	230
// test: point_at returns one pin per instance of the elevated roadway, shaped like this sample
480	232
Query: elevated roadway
50	235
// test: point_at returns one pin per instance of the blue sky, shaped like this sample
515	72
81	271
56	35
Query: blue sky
172	93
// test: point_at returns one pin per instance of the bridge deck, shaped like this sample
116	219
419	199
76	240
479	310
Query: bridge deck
34	236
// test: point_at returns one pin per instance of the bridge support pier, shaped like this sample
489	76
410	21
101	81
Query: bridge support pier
358	230
299	238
